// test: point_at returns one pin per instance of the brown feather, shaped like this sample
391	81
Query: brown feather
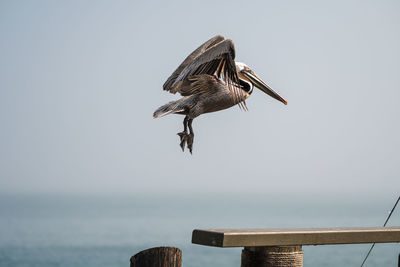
198	84
189	59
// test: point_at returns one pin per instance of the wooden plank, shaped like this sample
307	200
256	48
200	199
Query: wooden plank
293	236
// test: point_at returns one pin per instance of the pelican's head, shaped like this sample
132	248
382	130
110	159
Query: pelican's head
247	75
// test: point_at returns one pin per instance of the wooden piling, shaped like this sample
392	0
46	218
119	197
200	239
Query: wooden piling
288	256
158	257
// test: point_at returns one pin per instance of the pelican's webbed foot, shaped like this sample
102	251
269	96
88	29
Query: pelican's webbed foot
187	139
190	138
184	138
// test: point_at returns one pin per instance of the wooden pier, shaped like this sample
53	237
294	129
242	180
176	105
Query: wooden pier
283	247
268	247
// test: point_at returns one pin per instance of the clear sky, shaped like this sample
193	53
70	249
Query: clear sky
79	81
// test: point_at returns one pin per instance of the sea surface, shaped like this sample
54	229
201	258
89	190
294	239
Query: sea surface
106	230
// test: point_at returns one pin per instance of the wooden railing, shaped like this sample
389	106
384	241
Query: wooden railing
283	247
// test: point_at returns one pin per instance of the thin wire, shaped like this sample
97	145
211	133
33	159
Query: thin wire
387	219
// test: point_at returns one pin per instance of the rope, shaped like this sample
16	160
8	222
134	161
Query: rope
272	256
284	259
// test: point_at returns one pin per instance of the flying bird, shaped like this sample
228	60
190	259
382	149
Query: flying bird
210	80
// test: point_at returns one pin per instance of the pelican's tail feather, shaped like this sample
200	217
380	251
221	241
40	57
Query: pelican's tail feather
171	107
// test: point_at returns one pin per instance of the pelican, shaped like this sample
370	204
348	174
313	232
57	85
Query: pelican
210	80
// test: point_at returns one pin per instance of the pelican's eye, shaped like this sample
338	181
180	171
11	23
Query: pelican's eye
245	70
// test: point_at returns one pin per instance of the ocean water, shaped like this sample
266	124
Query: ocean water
79	230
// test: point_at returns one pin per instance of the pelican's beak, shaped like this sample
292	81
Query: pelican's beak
260	84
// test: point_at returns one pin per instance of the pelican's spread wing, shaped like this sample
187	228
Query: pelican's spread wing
198	84
216	56
200	50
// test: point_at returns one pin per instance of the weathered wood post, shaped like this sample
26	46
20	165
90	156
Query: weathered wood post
288	256
158	257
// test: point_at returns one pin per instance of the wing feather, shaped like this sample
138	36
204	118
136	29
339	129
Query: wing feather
198	84
189	59
216	56
209	61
